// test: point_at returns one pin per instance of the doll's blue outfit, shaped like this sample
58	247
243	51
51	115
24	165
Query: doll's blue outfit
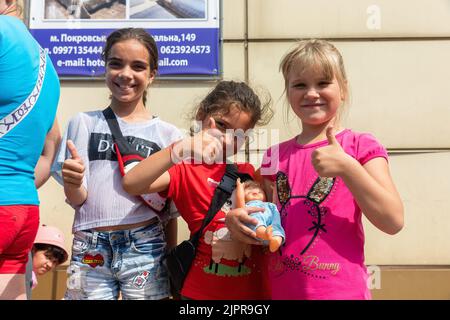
270	216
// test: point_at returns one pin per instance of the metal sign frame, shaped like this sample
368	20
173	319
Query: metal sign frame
196	39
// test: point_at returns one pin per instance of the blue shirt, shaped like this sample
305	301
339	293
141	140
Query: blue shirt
27	78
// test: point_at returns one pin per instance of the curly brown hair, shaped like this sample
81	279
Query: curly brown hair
228	94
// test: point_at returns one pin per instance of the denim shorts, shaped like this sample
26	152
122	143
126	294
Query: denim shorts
126	261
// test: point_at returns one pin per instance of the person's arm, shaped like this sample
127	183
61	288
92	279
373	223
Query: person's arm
51	144
150	175
171	232
370	184
375	192
73	174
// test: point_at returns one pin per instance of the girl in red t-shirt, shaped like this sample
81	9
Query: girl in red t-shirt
189	171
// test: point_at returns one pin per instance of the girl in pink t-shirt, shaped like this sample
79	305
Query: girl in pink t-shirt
321	181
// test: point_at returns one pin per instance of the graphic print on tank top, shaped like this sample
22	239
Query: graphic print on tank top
307	217
229	257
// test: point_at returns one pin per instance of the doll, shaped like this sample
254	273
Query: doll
268	229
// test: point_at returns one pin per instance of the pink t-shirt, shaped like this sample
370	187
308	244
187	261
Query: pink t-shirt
323	257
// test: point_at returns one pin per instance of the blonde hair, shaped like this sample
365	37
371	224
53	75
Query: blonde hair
315	53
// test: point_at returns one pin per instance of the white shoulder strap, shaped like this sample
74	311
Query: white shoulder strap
16	116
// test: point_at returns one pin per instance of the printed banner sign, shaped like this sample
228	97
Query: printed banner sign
73	32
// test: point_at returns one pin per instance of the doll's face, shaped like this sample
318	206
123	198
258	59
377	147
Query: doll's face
254	193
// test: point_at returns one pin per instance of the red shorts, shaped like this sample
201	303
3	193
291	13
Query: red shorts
19	225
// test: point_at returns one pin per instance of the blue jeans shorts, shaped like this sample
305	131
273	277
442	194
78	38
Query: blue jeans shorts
126	261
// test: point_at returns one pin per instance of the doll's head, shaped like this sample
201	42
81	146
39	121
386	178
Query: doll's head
253	191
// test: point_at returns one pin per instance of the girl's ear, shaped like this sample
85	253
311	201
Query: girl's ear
211	123
208	122
151	77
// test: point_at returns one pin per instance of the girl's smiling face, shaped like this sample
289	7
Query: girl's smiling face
128	72
314	98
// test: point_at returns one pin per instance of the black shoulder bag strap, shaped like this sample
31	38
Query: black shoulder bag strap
221	194
118	138
126	155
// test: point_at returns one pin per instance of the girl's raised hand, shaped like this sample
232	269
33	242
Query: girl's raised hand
212	141
205	146
331	160
73	168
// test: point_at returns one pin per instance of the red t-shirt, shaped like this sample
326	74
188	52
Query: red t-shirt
223	268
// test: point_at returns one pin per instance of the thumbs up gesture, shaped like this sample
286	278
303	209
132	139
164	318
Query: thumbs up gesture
73	168
205	146
330	161
212	143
